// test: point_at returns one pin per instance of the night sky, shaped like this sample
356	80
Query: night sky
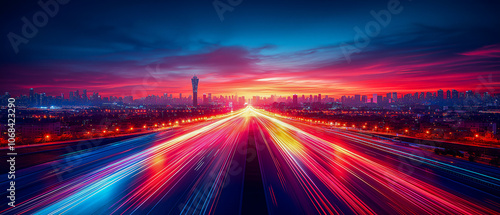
259	48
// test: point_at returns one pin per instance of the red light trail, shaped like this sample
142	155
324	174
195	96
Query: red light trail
304	169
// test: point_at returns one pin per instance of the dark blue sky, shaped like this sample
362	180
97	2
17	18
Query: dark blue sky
261	46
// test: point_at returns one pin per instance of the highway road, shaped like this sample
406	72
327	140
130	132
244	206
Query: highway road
252	162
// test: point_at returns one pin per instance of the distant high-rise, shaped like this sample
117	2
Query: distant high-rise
32	95
454	94
194	82
84	96
319	98
468	94
394	96
364	98
295	98
440	94
374	98
428	96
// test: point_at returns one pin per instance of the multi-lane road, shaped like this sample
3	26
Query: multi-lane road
251	162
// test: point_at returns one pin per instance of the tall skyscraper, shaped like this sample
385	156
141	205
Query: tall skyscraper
394	96
428	96
295	98
469	94
440	94
194	82
32	96
84	96
374	98
454	94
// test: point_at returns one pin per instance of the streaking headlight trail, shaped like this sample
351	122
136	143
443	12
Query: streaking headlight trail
253	162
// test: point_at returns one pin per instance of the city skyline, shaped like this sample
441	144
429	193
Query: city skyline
449	94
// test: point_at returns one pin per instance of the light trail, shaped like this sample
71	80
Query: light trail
306	155
158	168
304	170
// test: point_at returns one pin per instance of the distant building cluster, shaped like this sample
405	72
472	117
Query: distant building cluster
438	97
82	98
295	99
450	98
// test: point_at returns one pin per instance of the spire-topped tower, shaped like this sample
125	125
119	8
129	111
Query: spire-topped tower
194	82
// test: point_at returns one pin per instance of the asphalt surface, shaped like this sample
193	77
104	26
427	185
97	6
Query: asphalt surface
250	162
